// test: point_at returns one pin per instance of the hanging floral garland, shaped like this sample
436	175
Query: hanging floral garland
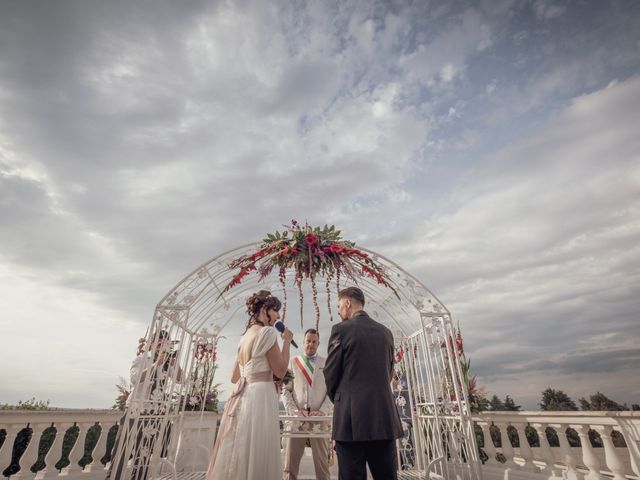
308	252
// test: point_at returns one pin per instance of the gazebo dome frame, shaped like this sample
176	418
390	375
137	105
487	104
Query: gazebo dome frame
440	440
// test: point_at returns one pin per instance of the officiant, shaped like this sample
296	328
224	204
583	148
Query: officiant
306	395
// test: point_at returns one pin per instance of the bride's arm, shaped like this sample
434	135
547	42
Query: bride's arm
235	376
279	360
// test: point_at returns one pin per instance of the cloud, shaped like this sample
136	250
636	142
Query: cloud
136	144
546	9
65	345
444	57
540	244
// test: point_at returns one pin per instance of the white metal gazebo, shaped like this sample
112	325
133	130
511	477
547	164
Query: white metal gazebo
431	390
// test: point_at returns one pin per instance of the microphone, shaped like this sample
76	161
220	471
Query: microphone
280	327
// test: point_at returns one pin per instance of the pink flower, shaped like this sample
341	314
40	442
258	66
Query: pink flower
459	343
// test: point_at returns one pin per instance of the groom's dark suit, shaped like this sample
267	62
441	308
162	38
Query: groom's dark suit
358	377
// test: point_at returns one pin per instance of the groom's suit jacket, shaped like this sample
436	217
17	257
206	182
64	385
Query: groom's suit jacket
294	395
358	375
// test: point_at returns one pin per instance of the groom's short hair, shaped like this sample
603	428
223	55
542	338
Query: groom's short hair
354	293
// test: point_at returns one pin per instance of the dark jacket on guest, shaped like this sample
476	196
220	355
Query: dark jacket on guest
358	377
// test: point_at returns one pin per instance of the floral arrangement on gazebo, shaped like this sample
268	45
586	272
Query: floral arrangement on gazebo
308	252
203	394
456	347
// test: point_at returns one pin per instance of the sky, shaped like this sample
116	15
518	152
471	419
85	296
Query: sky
491	148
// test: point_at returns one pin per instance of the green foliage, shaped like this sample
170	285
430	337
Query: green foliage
46	441
47	438
599	402
556	401
111	441
31	404
506	405
512	433
124	390
495	404
478	403
69	440
19	446
510	405
93	435
532	436
495	436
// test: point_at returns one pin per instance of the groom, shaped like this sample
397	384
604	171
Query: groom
358	374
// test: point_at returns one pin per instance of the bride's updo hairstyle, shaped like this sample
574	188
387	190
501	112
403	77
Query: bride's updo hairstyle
257	301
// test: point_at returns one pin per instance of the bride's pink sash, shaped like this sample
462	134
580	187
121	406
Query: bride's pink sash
228	421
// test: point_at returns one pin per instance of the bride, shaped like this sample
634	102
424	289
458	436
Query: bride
248	442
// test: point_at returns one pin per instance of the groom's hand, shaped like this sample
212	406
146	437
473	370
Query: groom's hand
317	413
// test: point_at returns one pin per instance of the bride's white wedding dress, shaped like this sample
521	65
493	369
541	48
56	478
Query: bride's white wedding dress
248	443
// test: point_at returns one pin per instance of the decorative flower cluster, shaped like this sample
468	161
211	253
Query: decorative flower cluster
309	252
205	351
456	348
203	394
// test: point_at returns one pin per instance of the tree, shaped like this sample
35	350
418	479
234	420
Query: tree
495	404
124	390
556	400
478	403
506	405
599	402
510	405
31	404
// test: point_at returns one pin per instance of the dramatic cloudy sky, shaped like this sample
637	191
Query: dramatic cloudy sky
492	148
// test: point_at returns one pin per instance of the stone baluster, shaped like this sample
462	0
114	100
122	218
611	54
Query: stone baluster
635	467
545	449
507	448
30	455
7	447
100	449
77	451
589	458
614	463
489	447
566	456
55	452
525	449
633	445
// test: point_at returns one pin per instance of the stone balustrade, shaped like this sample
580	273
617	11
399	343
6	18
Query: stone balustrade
568	445
83	440
517	445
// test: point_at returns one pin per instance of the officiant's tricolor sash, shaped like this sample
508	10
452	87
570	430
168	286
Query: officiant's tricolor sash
305	367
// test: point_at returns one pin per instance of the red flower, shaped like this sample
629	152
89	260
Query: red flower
289	251
334	248
311	239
